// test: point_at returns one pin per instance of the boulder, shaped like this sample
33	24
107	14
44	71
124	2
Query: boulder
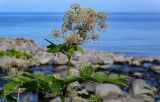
62	75
56	99
90	87
137	75
61	68
69	99
121	100
75	99
108	60
135	63
125	98
112	95
97	61
156	68
139	86
108	91
82	61
20	64
75	85
120	59
43	58
83	92
156	60
101	67
142	91
149	60
38	54
60	59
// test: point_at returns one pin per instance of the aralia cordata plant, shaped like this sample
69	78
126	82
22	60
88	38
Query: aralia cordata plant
80	26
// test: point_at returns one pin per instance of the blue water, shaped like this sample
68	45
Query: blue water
134	34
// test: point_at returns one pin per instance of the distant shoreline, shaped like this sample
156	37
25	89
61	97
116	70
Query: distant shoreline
64	12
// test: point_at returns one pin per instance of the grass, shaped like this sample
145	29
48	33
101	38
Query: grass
14	53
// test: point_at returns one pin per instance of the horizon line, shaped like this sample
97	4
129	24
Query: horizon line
64	12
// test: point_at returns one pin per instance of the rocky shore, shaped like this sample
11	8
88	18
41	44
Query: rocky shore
39	56
145	72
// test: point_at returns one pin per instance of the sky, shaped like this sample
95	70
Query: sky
63	5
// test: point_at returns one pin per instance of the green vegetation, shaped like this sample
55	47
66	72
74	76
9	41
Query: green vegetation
80	25
50	84
14	53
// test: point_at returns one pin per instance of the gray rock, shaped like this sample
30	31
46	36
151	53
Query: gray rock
138	75
114	100
56	99
77	99
155	69
120	59
102	90
156	60
8	63
84	91
140	89
97	61
135	63
43	57
83	61
139	86
61	59
101	67
90	87
60	68
63	74
38	54
139	59
76	85
69	99
108	60
149	60
126	98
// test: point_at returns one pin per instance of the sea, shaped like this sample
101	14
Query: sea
131	34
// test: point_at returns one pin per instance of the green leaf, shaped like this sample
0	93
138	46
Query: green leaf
11	79
71	51
46	78
71	79
53	48
79	49
119	80
11	98
31	86
114	79
24	78
100	77
29	75
94	98
49	41
56	87
9	87
86	71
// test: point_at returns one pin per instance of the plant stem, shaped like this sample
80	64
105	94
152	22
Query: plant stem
68	74
69	66
62	99
18	94
64	94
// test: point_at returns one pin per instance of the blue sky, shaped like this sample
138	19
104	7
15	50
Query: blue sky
62	5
